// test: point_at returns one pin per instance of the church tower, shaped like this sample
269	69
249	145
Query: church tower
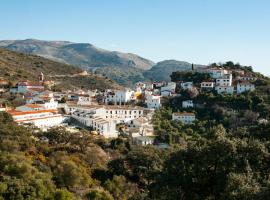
41	77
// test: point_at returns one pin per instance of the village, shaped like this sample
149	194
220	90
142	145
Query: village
113	112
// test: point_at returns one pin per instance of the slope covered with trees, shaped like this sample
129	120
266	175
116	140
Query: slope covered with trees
225	154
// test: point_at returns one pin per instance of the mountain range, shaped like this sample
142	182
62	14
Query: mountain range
125	68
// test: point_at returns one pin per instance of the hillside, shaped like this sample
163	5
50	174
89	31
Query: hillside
18	66
162	70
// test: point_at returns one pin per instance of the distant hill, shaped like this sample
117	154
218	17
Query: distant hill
16	66
84	55
162	70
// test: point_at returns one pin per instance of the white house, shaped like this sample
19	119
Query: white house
169	86
186	85
84	100
168	89
207	85
224	89
153	101
184	117
225	80
40	118
217	72
119	96
187	104
49	104
123	113
144	126
44	99
244	86
143	140
166	93
246	77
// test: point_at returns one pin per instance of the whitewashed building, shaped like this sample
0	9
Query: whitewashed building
44	99
119	96
246	77
244	86
144	140
40	118
153	101
143	125
207	85
224	89
104	127
168	89
225	80
184	117
187	104
217	72
123	113
84	100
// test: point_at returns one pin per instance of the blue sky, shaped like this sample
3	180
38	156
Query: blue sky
198	31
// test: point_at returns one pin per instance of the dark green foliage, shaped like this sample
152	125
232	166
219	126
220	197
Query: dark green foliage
194	77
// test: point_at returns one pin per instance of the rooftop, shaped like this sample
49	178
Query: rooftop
184	114
17	113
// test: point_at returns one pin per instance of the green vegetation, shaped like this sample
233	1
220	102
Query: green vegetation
225	154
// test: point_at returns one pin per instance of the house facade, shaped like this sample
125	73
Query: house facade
153	101
244	86
184	117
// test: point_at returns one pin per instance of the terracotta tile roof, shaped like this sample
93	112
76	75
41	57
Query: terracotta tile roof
16	113
183	114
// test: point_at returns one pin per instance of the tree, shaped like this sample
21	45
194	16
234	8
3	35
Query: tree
21	180
69	171
99	195
63	194
120	188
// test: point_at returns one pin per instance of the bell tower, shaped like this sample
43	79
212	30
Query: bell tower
41	77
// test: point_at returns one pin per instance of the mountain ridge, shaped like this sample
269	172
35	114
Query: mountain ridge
85	55
125	68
